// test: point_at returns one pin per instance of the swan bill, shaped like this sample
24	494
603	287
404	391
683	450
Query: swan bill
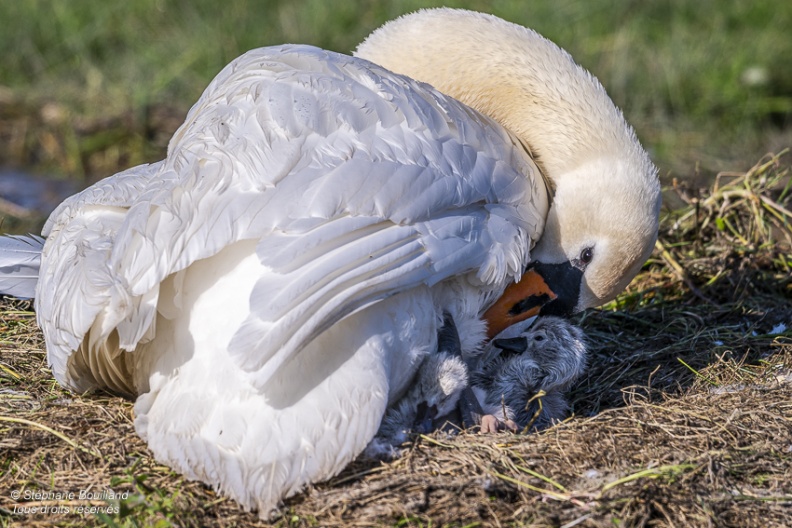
544	289
520	301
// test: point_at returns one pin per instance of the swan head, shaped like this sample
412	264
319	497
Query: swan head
603	219
601	228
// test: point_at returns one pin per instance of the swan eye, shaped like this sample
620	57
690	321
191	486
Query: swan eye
586	255
539	338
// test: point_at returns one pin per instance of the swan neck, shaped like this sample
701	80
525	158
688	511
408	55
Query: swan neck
511	74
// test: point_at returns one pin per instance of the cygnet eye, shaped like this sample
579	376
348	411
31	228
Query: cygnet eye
539	337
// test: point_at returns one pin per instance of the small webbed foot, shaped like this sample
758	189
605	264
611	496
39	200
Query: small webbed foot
424	420
448	337
491	424
469	409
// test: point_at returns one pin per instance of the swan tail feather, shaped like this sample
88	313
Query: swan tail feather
20	259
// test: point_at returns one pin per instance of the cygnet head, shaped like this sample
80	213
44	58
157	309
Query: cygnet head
440	382
553	345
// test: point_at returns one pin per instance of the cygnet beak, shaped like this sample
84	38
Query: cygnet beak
512	345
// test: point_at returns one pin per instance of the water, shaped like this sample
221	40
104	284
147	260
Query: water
26	200
36	194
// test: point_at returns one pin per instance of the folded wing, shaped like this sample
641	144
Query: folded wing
355	182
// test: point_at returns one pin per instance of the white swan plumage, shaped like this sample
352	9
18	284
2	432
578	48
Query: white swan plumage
271	285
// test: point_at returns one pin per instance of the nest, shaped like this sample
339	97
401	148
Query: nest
684	419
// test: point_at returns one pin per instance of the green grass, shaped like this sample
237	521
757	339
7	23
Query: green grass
704	82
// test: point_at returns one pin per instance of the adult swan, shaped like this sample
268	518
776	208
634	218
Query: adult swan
271	285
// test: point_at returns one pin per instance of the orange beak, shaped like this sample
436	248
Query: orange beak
519	301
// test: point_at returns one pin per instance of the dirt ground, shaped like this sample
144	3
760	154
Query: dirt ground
684	418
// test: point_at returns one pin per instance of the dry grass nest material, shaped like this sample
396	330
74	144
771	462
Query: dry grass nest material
684	419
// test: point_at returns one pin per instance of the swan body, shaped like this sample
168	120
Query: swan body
268	288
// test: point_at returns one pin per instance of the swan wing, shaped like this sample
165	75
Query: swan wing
76	290
356	182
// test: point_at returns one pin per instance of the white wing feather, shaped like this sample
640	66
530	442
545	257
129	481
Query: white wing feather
77	290
441	189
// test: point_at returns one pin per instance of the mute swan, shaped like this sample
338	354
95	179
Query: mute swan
268	288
